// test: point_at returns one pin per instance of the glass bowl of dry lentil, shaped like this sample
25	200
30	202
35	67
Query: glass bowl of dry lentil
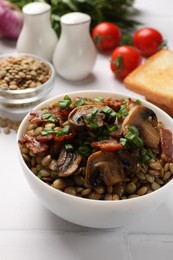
96	158
25	80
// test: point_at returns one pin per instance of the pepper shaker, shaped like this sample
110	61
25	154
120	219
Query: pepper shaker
75	53
37	36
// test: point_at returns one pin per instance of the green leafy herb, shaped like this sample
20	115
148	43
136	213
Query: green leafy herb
120	12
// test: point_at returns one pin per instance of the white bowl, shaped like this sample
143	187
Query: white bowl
94	213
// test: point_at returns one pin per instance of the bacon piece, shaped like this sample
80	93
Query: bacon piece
108	145
114	104
166	145
33	145
37	115
45	138
117	134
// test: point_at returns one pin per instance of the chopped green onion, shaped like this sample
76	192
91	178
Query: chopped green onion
133	136
133	129
123	112
112	128
63	104
138	141
84	149
144	158
66	130
51	119
79	102
107	110
66	97
94	111
124	142
98	99
89	118
60	133
43	133
93	125
39	175
130	136
46	115
139	102
49	130
146	155
113	114
69	147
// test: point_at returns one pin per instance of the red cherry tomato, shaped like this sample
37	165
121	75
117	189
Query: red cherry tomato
124	60
106	36
148	41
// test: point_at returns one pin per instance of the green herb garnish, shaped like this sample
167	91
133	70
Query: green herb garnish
133	136
121	12
66	130
69	147
98	99
46	115
65	103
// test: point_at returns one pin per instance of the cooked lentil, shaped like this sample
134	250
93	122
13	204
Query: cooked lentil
51	128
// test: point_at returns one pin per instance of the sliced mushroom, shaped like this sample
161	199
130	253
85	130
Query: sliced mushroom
129	161
144	119
104	167
77	116
67	163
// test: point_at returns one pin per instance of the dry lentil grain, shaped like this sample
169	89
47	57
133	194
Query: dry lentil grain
22	68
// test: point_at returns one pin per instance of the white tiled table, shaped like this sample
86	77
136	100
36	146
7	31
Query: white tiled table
30	231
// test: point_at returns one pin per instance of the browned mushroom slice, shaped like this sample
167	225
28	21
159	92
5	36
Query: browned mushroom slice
67	163
104	167
144	119
77	117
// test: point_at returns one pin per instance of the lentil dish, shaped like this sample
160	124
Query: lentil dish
103	149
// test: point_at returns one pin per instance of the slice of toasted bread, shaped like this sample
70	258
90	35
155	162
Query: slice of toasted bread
154	80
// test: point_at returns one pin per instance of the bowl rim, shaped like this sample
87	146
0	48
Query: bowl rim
80	199
28	90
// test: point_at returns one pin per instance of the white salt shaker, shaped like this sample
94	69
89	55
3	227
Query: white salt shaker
37	36
75	53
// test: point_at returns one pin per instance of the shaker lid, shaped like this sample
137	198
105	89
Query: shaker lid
36	8
75	18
